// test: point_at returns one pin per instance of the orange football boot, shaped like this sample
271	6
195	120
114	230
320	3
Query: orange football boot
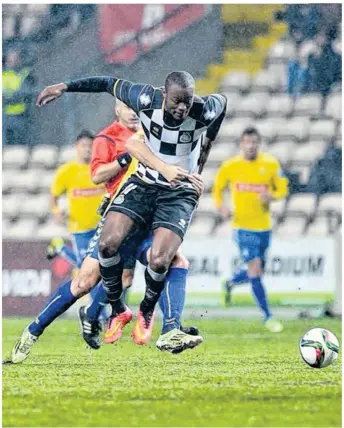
116	324
143	327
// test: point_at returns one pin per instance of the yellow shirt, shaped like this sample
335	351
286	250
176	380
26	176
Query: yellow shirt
247	180
83	196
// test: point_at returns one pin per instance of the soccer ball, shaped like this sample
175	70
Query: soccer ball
319	348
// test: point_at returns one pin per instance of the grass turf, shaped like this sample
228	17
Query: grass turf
240	376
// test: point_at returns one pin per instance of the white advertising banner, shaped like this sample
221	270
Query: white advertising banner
297	265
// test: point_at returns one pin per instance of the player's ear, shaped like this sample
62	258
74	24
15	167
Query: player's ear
164	93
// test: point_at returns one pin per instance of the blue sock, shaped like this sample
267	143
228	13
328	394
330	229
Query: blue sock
239	277
57	304
172	299
99	302
68	253
259	293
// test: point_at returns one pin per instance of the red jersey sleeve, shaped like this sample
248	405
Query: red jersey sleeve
103	152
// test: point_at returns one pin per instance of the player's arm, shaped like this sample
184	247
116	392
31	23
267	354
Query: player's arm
103	168
221	181
218	104
58	188
139	150
280	184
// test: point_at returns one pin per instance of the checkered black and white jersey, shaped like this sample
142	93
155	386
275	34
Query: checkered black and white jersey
180	145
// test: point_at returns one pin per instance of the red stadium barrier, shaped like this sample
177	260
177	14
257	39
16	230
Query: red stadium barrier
120	22
28	278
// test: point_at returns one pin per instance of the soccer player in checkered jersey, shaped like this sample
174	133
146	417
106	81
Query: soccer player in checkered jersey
179	128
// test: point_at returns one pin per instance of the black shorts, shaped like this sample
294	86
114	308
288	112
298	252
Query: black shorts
153	206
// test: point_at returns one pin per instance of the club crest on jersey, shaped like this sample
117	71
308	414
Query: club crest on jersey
209	115
119	200
145	99
185	137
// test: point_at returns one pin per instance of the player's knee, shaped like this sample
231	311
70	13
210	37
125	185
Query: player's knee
254	268
127	278
180	261
159	261
108	244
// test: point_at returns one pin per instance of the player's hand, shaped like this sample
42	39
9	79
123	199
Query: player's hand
265	198
224	212
174	174
58	217
50	93
197	183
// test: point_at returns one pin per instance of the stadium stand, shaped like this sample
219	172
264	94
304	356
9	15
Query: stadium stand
297	130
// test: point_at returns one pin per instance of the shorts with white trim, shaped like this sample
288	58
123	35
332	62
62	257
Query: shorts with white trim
152	206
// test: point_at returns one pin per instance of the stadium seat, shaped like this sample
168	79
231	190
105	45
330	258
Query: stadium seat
28	24
291	227
277	208
338	142
8	180
309	152
11	204
339	130
25	228
15	156
265	81
27	180
8	27
334	106
50	230
320	226
37	9
302	203
46	180
44	155
236	81
206	205
279	106
267	129
283	151
232	129
307	105
220	152
6	226
67	153
252	106
281	52
322	130
303	171
297	128
208	176
223	230
330	202
201	226
232	102
35	206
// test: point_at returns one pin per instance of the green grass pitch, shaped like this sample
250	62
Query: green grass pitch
241	376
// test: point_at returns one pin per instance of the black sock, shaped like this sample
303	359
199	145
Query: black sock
155	283
111	273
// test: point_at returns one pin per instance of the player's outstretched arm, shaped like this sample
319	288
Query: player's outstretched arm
139	150
88	84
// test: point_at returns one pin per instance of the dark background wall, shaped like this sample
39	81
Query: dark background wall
79	57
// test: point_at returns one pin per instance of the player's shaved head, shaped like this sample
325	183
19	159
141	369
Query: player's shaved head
183	79
178	93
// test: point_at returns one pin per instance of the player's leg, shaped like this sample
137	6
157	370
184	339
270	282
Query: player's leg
172	216
174	338
59	302
239	277
57	247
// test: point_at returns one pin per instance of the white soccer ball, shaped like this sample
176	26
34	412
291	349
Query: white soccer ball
319	348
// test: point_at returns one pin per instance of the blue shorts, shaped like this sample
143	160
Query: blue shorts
252	244
80	242
132	249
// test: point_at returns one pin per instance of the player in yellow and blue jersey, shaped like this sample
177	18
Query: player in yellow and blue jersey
255	179
73	179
